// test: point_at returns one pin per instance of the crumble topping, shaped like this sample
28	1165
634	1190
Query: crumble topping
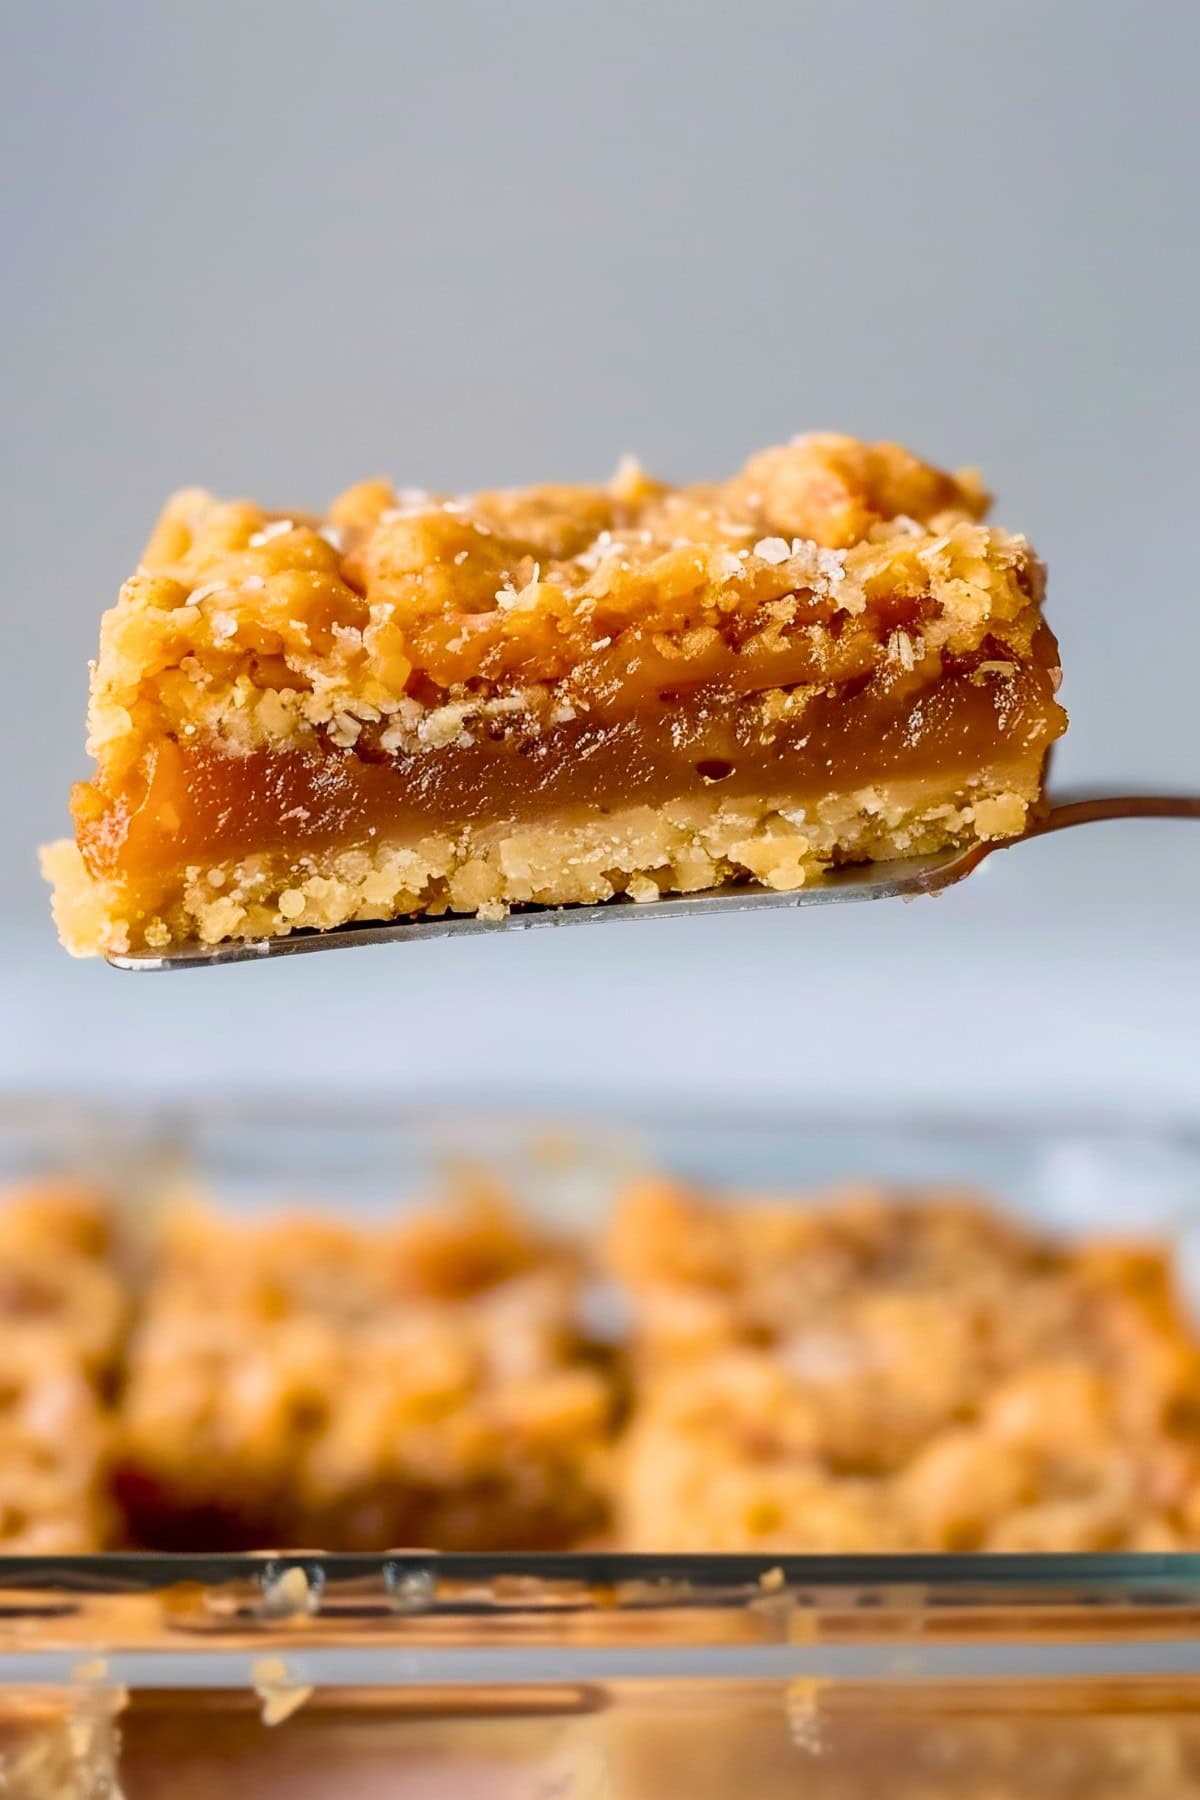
860	1369
424	1383
261	629
874	1371
62	1321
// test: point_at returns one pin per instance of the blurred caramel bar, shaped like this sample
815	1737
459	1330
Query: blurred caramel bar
877	1372
851	1371
297	1381
553	695
62	1318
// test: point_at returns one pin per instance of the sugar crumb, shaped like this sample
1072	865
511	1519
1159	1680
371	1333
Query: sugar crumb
279	1694
277	528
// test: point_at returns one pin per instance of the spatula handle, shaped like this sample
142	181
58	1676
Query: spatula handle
1087	809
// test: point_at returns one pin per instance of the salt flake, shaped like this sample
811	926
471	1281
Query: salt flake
277	528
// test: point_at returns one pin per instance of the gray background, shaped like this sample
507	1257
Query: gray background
275	248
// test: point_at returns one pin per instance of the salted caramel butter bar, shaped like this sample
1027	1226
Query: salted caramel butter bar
302	1380
553	695
874	1370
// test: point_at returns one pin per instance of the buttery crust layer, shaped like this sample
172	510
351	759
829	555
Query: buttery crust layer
506	659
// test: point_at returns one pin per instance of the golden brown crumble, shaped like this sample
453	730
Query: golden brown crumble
873	1372
260	627
310	1382
391	698
856	1370
62	1319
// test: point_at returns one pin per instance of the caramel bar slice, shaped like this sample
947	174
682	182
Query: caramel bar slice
63	1315
304	1381
553	695
871	1370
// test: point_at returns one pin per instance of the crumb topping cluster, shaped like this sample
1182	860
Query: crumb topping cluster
331	1383
62	1318
873	1373
425	617
859	1369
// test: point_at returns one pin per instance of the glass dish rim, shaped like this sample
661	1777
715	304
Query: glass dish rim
945	1576
408	1623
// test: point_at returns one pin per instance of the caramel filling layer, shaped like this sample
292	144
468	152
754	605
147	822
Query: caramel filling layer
198	804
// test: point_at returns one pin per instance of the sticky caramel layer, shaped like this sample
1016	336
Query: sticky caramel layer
196	804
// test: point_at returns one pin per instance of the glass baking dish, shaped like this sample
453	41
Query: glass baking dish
532	1678
581	1677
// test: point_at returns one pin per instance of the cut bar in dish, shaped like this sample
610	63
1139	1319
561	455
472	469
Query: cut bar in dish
62	1321
859	1370
873	1371
553	695
302	1381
